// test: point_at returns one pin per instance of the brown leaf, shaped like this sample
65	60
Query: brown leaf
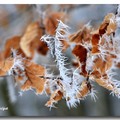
103	28
65	45
8	63
5	66
83	91
51	22
99	72
118	65
27	85
33	73
99	64
2	73
31	39
1	60
81	52
75	64
12	43
109	24
34	82
55	97
95	42
82	36
102	65
47	90
42	48
34	68
105	84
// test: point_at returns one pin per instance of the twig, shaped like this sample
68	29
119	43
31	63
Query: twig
53	78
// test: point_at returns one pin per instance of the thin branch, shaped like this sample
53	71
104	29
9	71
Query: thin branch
44	77
53	78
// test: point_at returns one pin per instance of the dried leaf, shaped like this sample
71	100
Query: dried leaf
34	68
82	36
47	90
84	90
33	73
51	22
12	43
27	85
99	64
5	66
103	28
42	48
2	73
109	24
31	39
105	84
99	72
65	45
102	65
81	52
55	97
75	64
95	42
1	59
34	82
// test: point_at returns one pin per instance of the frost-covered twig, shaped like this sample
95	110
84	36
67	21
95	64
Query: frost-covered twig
70	83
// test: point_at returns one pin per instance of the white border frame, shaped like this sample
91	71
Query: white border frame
59	1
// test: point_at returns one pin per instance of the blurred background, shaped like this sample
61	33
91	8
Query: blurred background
13	21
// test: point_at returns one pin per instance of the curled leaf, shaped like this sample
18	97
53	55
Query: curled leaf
31	39
81	52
